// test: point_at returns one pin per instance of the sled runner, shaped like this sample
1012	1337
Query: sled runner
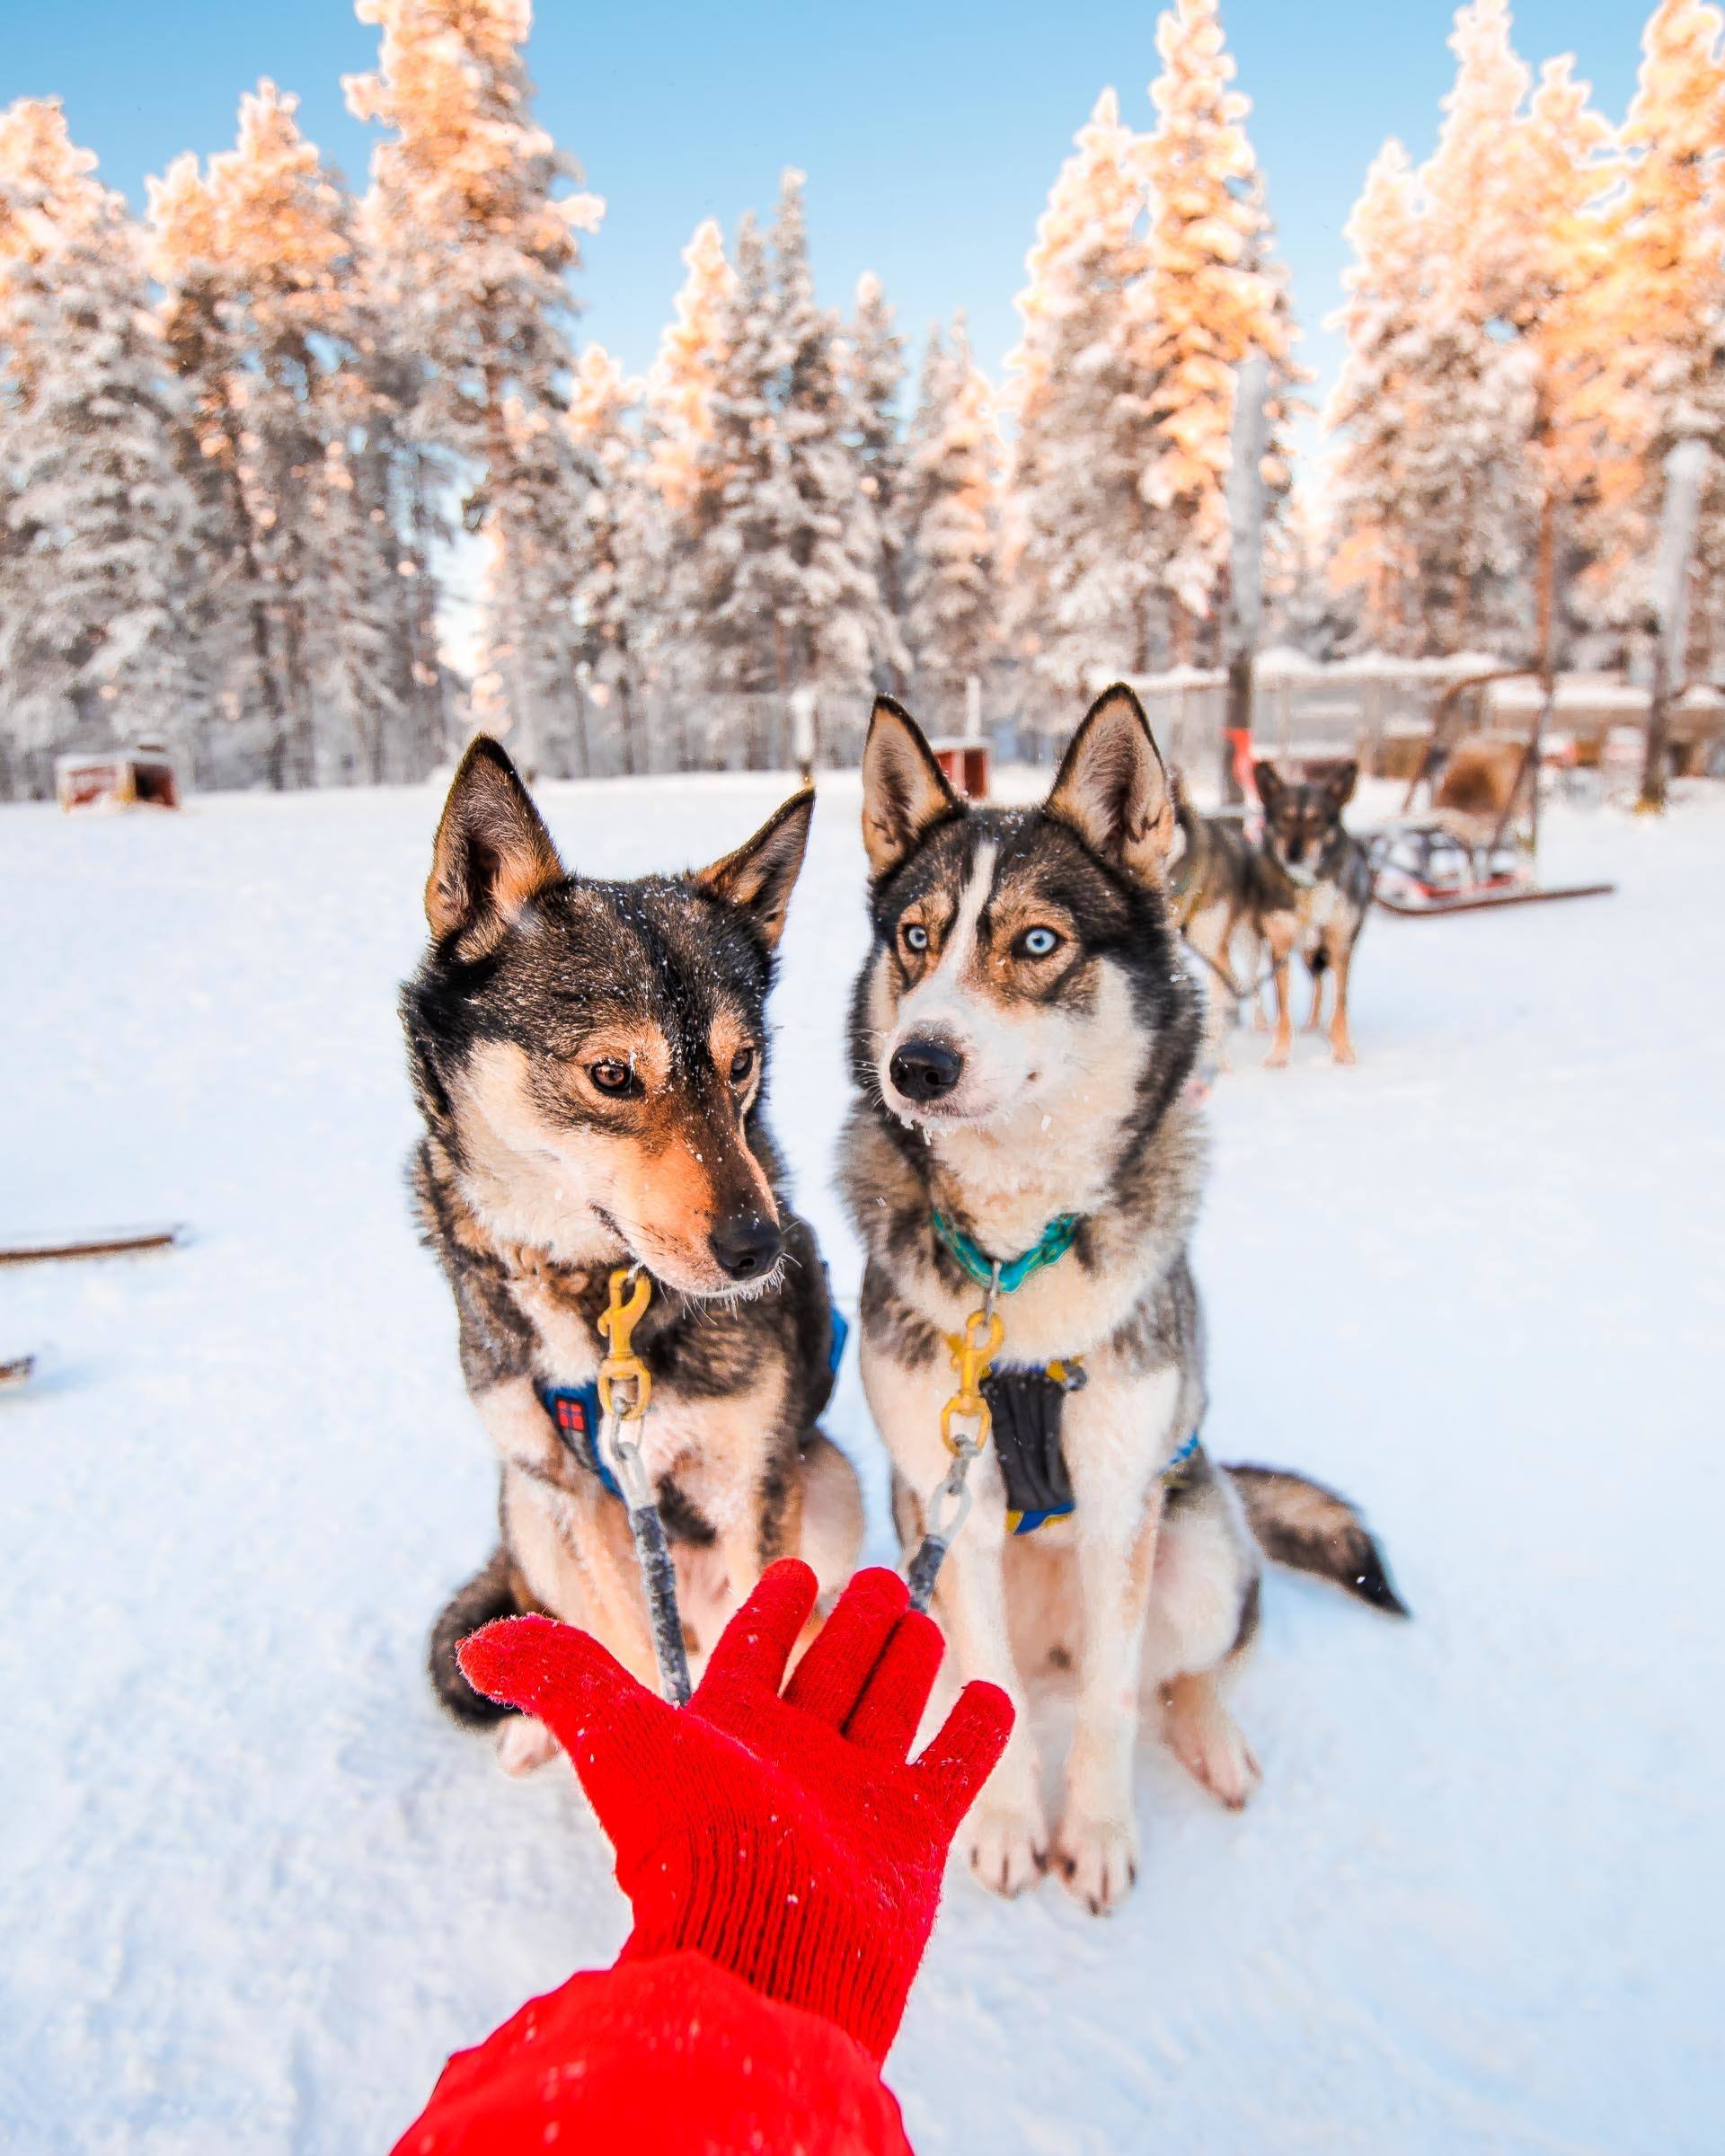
1426	867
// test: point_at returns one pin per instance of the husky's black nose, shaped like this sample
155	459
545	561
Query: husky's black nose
746	1247
922	1070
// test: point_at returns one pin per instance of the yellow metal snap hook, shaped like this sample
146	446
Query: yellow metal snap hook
972	1351
617	1323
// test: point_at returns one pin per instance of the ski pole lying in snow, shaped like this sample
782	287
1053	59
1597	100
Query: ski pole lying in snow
101	1243
623	1411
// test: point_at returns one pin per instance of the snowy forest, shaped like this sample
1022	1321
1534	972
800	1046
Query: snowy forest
239	435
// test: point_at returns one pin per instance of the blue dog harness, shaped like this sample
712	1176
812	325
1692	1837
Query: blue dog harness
575	1410
1025	1400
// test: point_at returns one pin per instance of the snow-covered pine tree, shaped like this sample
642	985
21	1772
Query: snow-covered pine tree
1561	151
607	548
719	600
528	515
1204	303
1473	183
836	624
952	523
1437	498
1464	467
96	550
405	487
772	584
1302	606
230	648
1669	279
1287	377
478	245
674	509
1371	412
291	401
1429	508
680	389
875	374
1090	546
1475	479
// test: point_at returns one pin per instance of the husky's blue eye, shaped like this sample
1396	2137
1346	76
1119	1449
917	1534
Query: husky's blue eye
915	936
1038	943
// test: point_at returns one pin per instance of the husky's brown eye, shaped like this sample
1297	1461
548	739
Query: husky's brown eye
915	936
611	1075
1036	943
741	1063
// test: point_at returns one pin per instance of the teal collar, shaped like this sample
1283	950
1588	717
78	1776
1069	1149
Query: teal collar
1054	1241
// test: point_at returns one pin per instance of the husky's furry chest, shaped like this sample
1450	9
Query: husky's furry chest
528	1314
1321	906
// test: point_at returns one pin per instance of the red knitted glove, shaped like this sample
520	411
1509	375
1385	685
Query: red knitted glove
782	1834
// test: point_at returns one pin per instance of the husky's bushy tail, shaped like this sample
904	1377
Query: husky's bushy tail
489	1594
1300	1524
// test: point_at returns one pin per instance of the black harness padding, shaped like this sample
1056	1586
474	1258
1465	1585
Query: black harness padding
1026	1405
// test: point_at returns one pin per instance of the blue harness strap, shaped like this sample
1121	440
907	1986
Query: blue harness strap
575	1410
1026	1523
836	1352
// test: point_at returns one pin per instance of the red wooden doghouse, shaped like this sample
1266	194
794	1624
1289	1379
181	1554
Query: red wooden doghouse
965	762
143	775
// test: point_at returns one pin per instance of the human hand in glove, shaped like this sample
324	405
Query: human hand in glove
777	1827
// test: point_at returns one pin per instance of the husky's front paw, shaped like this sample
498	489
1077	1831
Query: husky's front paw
1098	1859
1205	1739
523	1745
1280	1049
1006	1846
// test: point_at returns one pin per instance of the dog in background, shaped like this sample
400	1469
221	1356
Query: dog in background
589	1059
1232	903
1330	876
1021	1034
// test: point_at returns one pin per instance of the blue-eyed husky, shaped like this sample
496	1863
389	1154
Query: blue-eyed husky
1022	1035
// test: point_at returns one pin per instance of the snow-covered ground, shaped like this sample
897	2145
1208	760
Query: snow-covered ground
253	1888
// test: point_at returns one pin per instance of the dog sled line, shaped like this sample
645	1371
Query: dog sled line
1466	854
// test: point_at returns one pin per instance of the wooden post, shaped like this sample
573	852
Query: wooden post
1685	468
1545	636
1246	559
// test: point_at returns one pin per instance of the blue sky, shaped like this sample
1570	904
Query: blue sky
930	133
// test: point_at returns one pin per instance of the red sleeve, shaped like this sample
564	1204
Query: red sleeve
670	2057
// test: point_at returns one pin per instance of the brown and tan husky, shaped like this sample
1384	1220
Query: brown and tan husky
1329	879
1022	1035
589	1059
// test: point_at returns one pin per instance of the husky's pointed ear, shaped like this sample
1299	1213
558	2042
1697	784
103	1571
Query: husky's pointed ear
492	853
1268	780
1340	783
905	791
758	876
1113	789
